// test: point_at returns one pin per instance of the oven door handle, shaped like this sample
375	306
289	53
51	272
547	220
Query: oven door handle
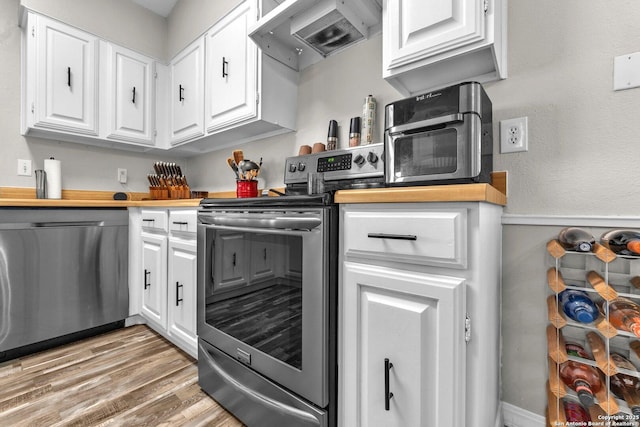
255	395
268	223
424	125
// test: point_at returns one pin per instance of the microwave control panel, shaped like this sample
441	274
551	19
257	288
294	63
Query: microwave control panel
365	161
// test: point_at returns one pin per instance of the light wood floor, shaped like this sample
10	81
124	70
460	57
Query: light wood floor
129	377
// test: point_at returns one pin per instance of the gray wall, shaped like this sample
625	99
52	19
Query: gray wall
582	135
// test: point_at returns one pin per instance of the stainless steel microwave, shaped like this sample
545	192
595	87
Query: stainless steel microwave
444	136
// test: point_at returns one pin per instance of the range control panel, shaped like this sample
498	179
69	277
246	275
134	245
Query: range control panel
365	161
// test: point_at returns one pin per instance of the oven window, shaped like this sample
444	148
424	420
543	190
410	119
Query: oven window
428	153
256	294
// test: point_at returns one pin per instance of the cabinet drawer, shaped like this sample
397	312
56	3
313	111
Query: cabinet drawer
183	221
435	237
154	220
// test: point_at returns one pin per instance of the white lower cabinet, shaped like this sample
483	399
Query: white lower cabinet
167	274
154	262
403	333
419	315
182	292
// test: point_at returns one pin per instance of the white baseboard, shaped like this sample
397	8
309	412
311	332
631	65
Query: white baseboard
518	417
572	220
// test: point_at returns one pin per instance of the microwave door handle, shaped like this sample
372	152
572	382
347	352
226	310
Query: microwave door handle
426	124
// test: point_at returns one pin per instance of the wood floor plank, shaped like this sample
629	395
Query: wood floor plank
131	376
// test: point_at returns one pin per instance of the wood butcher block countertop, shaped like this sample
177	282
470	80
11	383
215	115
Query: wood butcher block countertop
491	193
433	193
26	197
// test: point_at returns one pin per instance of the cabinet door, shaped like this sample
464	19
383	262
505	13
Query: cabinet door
129	98
187	93
262	257
181	304
231	70
229	263
417	29
64	97
154	295
416	321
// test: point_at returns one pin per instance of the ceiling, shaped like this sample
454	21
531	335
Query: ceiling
160	7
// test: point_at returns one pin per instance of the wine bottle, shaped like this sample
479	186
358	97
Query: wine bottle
622	242
625	386
582	378
624	314
578	306
576	239
575	412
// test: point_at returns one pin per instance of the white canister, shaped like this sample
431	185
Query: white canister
53	169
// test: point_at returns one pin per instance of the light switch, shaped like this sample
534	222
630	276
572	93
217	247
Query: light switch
626	71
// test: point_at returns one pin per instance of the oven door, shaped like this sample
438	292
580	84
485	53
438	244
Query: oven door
263	294
446	148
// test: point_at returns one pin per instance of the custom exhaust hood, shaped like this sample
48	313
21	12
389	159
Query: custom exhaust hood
300	33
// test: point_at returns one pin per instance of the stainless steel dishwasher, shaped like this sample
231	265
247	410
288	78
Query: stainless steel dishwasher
62	271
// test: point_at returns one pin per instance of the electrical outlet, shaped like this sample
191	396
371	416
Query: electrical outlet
513	135
122	176
24	167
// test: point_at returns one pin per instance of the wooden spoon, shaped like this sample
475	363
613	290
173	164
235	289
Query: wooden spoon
238	156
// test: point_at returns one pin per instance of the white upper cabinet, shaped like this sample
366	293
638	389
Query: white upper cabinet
82	89
231	70
187	93
60	71
127	79
435	43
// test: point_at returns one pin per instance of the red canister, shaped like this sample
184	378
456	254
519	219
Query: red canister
246	188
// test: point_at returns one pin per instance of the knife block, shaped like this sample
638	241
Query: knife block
159	193
170	192
179	192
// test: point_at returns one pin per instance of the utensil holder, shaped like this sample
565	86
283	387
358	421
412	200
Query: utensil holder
246	188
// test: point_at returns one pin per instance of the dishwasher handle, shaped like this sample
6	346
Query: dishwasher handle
49	224
68	224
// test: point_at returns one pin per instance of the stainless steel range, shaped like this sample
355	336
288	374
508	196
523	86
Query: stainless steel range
267	292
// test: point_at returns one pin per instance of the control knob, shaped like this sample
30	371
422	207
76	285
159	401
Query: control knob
359	160
292	167
301	166
372	157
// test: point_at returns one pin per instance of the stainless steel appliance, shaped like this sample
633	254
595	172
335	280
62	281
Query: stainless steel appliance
267	293
441	136
62	271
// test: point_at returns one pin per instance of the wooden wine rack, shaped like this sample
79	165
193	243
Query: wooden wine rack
595	276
